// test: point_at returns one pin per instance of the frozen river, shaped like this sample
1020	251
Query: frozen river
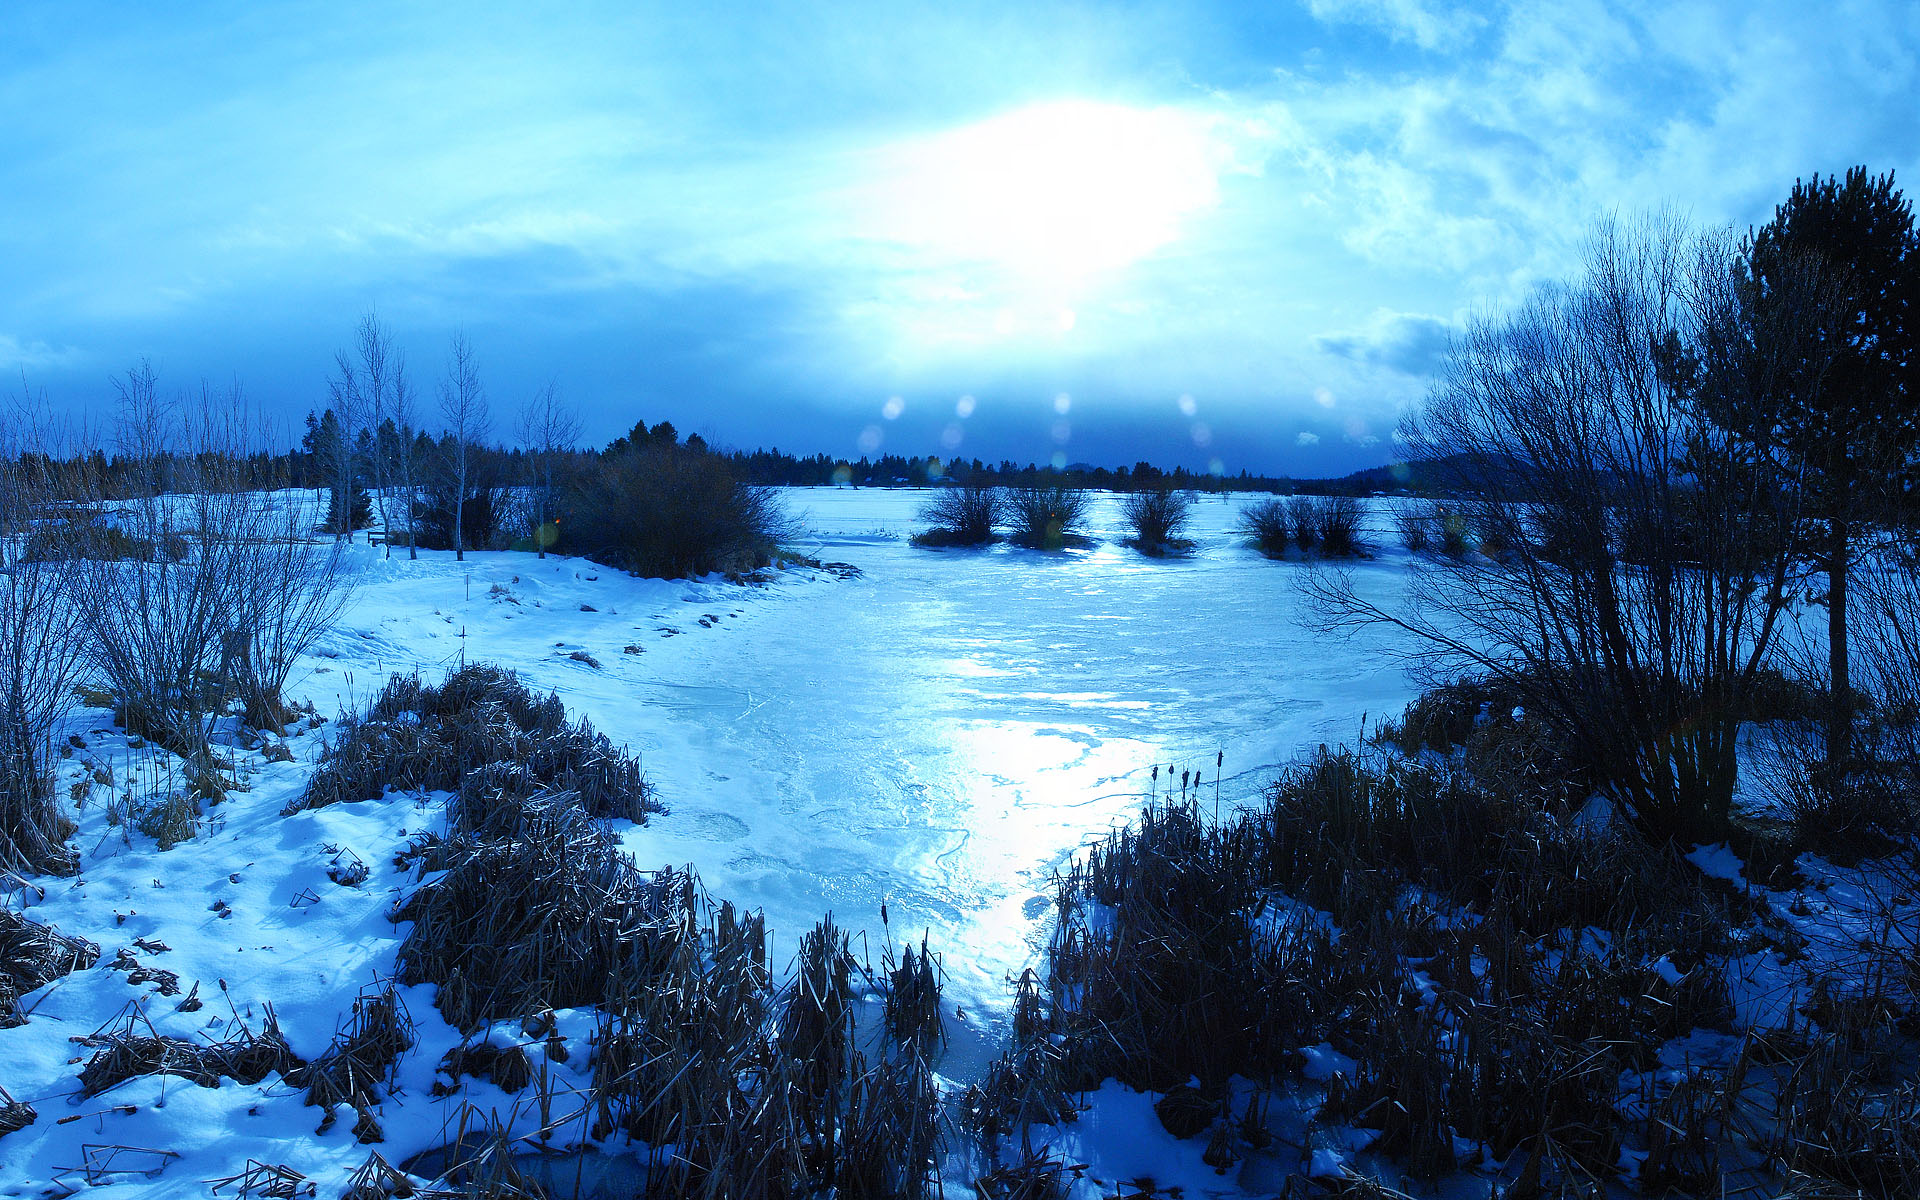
939	733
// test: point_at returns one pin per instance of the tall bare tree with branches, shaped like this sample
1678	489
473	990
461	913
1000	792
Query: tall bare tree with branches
548	431
402	457
1645	561
463	409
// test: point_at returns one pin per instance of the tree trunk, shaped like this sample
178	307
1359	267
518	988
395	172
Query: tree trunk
1840	697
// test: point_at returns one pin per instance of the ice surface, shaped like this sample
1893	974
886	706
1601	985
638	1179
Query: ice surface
939	733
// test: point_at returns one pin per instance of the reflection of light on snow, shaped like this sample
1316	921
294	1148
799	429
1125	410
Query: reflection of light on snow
1188	406
893	408
963	408
1063	404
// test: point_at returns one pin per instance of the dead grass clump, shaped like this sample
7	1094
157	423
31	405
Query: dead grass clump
357	1068
509	1067
14	1114
1493	967
133	1047
421	738
913	1001
1033	1082
33	955
548	915
740	1091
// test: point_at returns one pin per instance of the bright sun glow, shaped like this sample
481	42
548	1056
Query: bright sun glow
1054	193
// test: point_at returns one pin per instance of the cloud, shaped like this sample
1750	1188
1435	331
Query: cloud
1411	343
1307	439
16	355
1428	26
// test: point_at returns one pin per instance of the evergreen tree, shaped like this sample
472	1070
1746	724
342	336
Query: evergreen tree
1851	413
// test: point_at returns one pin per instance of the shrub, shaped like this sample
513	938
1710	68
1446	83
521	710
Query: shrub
1415	525
1265	525
1157	517
1336	526
480	518
1046	518
963	515
670	512
1302	521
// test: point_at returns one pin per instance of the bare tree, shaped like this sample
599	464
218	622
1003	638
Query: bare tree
402	457
548	431
363	390
463	408
213	591
41	652
1646	555
160	610
292	593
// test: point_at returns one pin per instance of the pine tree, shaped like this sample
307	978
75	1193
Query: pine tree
1852	414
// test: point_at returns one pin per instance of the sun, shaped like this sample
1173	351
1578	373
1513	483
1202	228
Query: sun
1052	193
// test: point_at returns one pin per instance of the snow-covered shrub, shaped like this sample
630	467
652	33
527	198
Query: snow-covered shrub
1046	518
1157	517
672	512
961	515
1266	526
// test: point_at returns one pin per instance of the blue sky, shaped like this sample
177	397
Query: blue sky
1188	233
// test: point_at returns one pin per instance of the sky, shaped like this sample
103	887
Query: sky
1230	236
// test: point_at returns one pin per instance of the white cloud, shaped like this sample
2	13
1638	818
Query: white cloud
1307	439
16	355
